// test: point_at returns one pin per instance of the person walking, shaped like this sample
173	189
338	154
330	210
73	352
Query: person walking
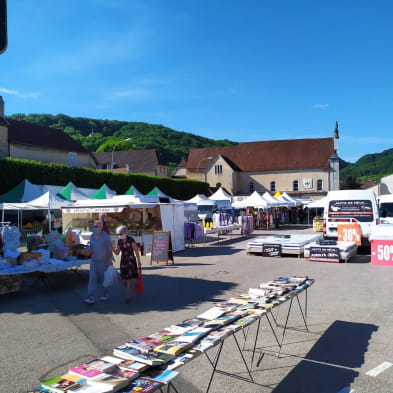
130	262
101	258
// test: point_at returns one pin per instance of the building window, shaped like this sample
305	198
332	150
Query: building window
73	159
295	185
218	169
273	186
319	185
251	187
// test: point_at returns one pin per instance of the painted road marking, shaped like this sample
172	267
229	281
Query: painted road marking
379	369
346	390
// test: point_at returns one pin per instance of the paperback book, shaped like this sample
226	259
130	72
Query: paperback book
142	345
93	368
152	358
121	373
182	359
163	376
143	385
113	382
125	351
132	365
63	383
173	347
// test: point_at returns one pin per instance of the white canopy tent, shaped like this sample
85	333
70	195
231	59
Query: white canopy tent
47	201
172	214
284	202
201	199
319	203
254	200
221	198
271	200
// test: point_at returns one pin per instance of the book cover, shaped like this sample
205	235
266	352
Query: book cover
152	358
173	347
163	376
194	334
91	388
182	359
160	337
125	351
142	345
84	371
121	373
60	384
110	381
143	385
212	313
132	365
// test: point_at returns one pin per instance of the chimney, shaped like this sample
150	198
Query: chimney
1	107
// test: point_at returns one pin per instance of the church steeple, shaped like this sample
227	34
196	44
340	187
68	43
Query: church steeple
336	131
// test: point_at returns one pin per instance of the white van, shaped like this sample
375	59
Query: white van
350	207
385	203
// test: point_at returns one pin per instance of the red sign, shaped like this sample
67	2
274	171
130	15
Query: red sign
382	252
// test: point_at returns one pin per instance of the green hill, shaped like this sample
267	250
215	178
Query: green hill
173	146
370	166
101	135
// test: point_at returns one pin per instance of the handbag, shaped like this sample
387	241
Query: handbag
139	286
111	277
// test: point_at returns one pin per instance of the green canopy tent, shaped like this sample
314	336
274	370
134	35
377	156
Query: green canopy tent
104	192
133	191
72	193
161	197
23	192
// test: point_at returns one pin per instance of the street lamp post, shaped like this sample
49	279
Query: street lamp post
114	147
199	163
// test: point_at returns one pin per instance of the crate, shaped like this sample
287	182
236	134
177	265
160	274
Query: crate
9	284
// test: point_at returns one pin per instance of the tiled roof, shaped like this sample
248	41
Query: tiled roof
269	155
137	160
23	133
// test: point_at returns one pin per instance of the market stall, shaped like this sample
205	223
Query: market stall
131	211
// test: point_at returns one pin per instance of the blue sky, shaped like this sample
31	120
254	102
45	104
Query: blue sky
249	70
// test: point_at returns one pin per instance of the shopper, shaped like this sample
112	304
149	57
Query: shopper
104	220
130	262
101	258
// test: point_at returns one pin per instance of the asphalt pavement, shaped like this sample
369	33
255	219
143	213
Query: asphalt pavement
46	328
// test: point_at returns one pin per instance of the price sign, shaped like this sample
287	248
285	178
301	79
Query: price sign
350	233
325	254
271	250
161	248
382	252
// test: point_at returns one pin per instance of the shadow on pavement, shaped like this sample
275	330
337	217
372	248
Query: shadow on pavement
63	292
328	366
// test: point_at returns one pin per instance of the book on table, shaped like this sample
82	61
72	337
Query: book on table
160	337
125	351
182	359
63	383
93	367
163	376
142	345
173	347
213	313
152	358
194	334
89	387
121	373
143	385
113	382
132	365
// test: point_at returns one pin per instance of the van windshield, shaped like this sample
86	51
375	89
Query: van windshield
386	209
361	210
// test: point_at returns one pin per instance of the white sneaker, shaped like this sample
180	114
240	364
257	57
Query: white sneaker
104	298
89	300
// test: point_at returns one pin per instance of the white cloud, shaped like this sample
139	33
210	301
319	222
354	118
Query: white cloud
321	106
134	93
18	93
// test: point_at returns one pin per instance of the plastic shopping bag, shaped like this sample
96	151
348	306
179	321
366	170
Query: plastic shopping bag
139	286
111	277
